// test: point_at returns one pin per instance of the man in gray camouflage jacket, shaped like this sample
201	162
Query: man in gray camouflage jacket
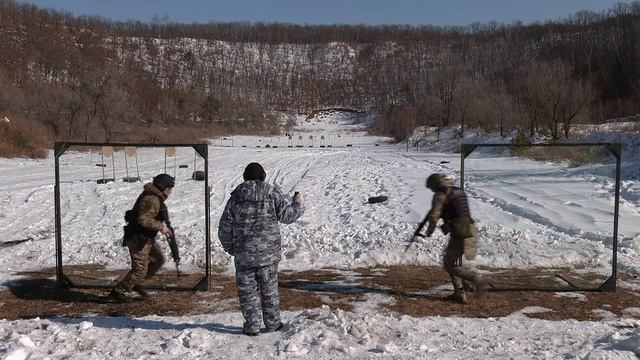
249	230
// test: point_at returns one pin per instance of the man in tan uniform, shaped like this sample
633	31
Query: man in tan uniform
450	203
148	217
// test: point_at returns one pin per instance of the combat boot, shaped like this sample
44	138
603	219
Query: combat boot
118	296
458	296
141	291
250	333
276	327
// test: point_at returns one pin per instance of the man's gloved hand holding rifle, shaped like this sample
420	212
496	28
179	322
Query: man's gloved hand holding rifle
168	232
417	235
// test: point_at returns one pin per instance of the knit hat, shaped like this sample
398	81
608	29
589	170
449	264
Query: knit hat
254	171
163	181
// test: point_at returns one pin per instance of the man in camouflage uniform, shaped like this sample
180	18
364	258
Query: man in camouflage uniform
148	217
450	203
249	230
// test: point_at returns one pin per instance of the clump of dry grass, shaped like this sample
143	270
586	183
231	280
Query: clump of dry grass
573	156
24	138
171	134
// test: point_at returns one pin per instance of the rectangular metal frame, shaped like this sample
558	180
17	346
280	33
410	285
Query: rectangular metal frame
59	150
616	149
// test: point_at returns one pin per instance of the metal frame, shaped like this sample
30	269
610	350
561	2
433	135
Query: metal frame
615	148
59	149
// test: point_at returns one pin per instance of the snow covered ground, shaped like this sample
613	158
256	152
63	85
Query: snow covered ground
529	213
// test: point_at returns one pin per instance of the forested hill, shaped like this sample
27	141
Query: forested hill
84	78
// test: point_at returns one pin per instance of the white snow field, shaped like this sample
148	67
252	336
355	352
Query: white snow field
530	214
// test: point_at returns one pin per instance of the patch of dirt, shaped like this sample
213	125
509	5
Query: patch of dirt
413	290
410	285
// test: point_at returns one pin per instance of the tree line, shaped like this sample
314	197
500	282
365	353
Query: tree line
93	79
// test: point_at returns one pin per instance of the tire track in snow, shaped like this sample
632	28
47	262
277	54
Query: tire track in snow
540	214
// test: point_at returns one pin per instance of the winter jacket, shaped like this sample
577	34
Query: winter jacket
147	216
249	227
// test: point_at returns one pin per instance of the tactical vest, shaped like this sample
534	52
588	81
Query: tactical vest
456	206
131	216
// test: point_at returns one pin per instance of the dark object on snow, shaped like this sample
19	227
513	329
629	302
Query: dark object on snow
131	179
348	145
267	146
444	162
198	175
183	166
104	181
14	242
101	165
377	199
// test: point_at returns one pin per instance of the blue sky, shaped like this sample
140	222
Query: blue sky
373	12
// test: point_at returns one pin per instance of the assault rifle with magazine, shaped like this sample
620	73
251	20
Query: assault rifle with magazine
446	227
171	239
173	246
132	227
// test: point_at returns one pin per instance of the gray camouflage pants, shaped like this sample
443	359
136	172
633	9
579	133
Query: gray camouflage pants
254	285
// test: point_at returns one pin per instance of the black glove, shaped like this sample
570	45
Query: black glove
446	228
431	229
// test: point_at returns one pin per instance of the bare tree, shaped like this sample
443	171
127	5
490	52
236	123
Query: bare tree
446	81
556	96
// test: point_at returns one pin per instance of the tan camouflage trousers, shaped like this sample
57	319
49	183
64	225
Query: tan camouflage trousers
146	260
453	260
258	293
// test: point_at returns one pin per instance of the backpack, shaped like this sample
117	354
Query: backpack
131	217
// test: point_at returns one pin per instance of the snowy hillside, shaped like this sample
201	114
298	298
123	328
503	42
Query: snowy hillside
530	214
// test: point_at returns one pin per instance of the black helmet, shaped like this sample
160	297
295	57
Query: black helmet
434	181
163	181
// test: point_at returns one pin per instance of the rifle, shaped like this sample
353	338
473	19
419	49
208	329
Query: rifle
171	239
417	232
173	245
